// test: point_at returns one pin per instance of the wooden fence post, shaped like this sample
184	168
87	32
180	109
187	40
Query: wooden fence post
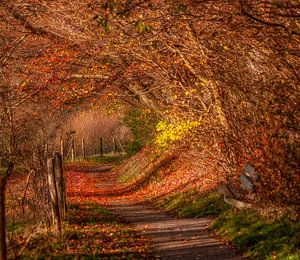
83	147
62	148
114	146
121	146
56	221
73	151
60	185
101	147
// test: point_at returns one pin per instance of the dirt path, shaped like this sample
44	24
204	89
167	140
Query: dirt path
170	238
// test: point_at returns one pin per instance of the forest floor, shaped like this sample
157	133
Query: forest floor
168	237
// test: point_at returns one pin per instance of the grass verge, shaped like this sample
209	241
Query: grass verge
256	236
259	237
191	204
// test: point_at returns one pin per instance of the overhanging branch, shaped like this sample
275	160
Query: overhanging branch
261	20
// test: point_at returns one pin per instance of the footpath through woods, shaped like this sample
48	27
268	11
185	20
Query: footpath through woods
168	237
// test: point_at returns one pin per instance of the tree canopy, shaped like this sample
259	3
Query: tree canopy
228	68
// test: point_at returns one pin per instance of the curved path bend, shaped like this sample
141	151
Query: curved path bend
169	237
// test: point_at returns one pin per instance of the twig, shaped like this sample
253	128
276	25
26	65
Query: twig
261	20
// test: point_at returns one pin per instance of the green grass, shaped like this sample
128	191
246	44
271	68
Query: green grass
105	159
133	147
256	236
2	170
15	227
259	237
92	162
191	204
114	159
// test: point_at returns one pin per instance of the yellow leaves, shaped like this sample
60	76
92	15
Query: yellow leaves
23	85
190	91
202	62
140	26
161	126
224	46
201	82
168	133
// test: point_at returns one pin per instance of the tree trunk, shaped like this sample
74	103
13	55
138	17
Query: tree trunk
3	253
3	181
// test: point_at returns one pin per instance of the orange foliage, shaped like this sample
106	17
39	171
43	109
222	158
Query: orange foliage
82	189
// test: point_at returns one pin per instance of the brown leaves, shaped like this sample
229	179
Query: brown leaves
149	176
82	189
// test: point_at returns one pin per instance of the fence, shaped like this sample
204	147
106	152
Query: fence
74	148
57	190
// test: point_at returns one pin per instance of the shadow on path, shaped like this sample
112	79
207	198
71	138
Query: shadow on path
170	238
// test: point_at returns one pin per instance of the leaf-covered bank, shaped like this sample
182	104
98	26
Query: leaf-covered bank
174	182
